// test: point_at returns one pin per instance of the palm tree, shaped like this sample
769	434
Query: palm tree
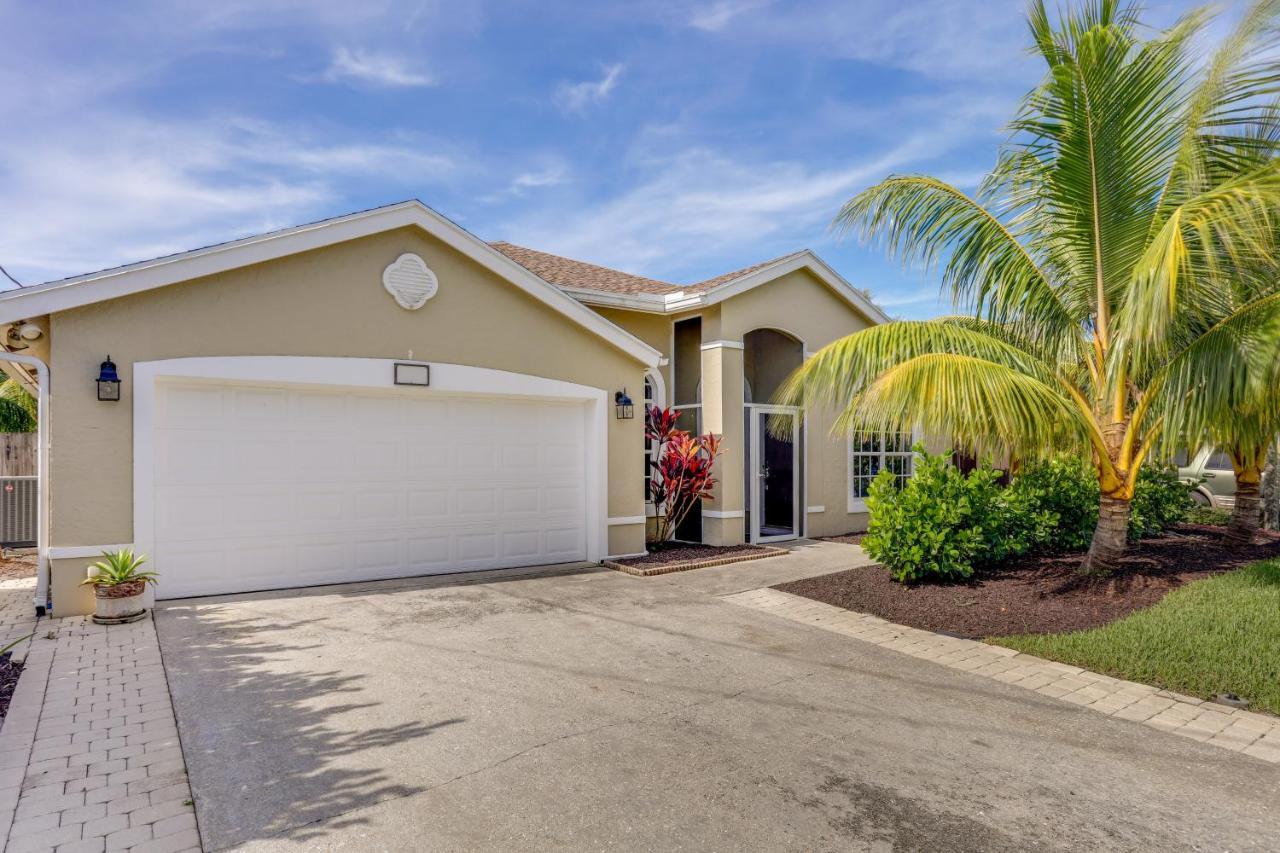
17	407
1129	186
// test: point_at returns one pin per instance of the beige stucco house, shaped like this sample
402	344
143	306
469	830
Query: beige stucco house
384	394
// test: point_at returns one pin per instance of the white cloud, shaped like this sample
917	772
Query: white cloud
936	38
575	97
714	17
687	206
698	204
124	189
374	69
547	177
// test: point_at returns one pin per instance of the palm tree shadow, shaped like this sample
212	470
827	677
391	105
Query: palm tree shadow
221	667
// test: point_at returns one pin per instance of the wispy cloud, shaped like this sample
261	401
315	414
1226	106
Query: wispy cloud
697	204
547	177
687	207
935	38
576	97
714	17
374	69
128	188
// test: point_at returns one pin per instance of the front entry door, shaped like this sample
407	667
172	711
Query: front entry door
775	482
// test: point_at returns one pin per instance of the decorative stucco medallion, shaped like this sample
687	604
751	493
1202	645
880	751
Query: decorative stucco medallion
410	281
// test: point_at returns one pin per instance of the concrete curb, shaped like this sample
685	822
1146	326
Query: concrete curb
1256	735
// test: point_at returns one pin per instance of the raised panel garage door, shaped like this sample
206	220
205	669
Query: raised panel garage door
260	487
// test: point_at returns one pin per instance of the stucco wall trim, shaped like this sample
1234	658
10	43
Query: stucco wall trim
364	373
75	552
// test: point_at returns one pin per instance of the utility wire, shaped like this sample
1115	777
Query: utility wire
11	278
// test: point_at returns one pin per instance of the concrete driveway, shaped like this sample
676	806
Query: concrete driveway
585	709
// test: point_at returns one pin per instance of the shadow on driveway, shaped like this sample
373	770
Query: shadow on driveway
223	675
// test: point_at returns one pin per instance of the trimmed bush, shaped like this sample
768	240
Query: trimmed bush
1056	504
942	524
1160	500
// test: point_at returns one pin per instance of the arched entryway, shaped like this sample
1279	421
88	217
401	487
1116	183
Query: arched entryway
774	467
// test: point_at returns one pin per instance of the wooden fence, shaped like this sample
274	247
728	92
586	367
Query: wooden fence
17	454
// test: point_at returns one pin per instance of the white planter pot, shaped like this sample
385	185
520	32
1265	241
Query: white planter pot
114	609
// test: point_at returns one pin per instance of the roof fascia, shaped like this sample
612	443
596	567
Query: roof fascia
803	260
136	278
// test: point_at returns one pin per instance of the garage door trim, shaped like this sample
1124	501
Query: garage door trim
362	373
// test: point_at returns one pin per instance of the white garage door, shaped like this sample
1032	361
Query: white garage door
260	487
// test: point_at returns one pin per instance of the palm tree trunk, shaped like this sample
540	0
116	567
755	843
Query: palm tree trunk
1247	512
1271	492
1110	537
1247	462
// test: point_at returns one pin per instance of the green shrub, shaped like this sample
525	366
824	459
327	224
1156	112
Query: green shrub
1160	500
1206	515
1055	503
941	524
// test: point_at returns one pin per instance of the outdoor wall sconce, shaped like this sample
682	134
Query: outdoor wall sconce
626	409
108	382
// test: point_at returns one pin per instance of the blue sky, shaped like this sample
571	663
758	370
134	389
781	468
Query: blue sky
675	139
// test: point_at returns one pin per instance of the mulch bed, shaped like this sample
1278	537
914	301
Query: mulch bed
9	672
679	556
1039	594
17	567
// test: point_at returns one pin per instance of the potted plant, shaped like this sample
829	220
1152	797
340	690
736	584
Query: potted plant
119	586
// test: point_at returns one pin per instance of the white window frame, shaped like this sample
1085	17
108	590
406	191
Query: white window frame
653	379
859	504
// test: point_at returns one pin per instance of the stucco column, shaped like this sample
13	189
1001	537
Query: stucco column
722	518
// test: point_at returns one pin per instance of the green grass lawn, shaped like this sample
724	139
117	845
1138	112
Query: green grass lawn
1213	636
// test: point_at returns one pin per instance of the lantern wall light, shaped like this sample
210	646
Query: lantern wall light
108	382
626	409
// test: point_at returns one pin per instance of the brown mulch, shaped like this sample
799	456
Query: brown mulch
680	552
9	672
17	567
1039	594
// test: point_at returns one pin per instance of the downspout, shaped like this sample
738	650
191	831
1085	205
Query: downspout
42	474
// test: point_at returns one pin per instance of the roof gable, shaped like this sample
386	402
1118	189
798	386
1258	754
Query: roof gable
78	291
597	285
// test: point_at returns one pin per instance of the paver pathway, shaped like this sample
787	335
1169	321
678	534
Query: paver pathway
89	752
1257	735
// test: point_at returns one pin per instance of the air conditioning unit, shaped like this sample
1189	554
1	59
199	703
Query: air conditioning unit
19	510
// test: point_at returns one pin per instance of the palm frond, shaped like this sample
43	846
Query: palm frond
927	221
847	367
993	407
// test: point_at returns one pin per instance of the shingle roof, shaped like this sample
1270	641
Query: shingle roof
566	272
709	283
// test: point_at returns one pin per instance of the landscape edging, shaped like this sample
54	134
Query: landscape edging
689	565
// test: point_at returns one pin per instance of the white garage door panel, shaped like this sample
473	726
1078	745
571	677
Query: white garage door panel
264	488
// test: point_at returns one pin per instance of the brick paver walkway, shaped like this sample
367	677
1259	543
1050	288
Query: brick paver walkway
1241	731
89	751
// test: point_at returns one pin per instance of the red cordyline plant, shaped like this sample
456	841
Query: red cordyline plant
680	478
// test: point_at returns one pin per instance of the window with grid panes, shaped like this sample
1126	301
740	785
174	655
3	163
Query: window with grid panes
870	453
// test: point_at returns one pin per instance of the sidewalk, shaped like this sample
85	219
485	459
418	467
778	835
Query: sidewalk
89	751
1257	735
